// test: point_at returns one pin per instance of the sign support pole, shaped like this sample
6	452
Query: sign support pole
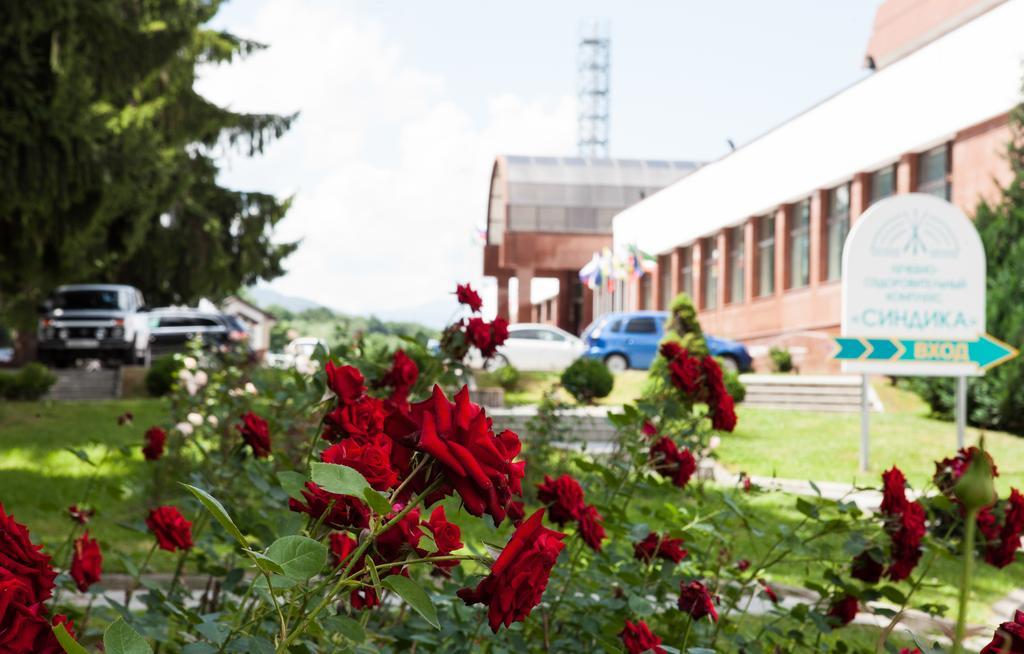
864	423
961	410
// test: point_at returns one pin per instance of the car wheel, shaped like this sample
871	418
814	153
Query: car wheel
496	362
616	363
729	363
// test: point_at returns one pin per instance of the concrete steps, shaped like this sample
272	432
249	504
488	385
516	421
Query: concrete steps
86	384
828	393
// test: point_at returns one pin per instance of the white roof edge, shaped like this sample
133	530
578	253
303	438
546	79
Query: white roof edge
967	76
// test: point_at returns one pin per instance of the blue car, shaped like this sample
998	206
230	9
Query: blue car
630	340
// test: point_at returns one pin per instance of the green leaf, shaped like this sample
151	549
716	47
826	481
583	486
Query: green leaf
122	639
218	511
265	563
298	556
67	642
82	455
377	501
415	596
278	582
291	482
348	627
338	479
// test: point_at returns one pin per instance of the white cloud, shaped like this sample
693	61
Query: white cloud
390	174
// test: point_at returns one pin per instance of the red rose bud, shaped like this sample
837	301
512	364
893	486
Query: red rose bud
256	434
949	470
447	537
336	511
154	447
341	545
866	568
86	562
743	565
906	542
663	547
79	514
518	578
1009	637
346	382
402	376
364	598
172	530
975	489
768	591
26	576
591	528
466	295
637	638
677	465
564	498
649	429
695	600
370	456
843	611
894	495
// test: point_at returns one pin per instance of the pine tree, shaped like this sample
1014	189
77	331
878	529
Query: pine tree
102	134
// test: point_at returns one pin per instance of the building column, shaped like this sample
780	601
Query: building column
675	265
587	314
860	188
563	305
503	310
782	249
906	173
698	274
749	248
525	308
819	204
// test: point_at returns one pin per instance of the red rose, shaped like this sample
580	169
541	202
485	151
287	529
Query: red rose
843	610
866	568
662	547
894	495
86	562
172	530
649	429
720	403
743	565
346	382
154	447
341	545
447	537
906	542
24	562
518	578
402	376
768	591
24	628
671	350
516	512
359	419
695	599
371	456
591	528
337	511
80	515
684	373
907	650
724	416
499	331
47	642
473	461
401	539
1009	637
1004	541
678	465
949	470
256	434
564	498
637	638
478	333
466	295
363	598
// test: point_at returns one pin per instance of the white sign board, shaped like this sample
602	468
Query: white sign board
913	280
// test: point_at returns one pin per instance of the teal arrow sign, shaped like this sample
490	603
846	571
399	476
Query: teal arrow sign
984	351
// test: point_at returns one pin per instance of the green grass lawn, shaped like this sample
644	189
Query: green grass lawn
825	446
39	478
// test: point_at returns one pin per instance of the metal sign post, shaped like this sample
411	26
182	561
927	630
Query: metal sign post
961	411
865	417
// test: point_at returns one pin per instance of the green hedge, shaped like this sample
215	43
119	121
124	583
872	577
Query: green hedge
30	383
587	380
162	374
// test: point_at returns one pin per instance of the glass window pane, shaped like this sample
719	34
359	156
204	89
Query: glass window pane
932	170
766	256
799	245
836	229
641	326
736	268
710	272
883	183
686	271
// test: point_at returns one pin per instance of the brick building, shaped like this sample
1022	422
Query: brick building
756	236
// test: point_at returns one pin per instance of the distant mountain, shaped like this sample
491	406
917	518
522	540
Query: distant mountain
265	297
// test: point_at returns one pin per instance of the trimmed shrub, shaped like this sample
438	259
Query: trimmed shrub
587	380
733	383
782	360
162	374
30	383
507	377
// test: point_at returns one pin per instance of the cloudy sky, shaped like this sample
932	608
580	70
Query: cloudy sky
405	104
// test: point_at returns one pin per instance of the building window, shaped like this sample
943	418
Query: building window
933	172
883	183
686	271
765	256
709	270
800	245
736	251
836	227
665	280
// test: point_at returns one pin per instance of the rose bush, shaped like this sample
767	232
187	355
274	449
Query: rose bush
368	504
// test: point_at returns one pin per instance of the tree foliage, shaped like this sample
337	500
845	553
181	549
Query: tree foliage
106	154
